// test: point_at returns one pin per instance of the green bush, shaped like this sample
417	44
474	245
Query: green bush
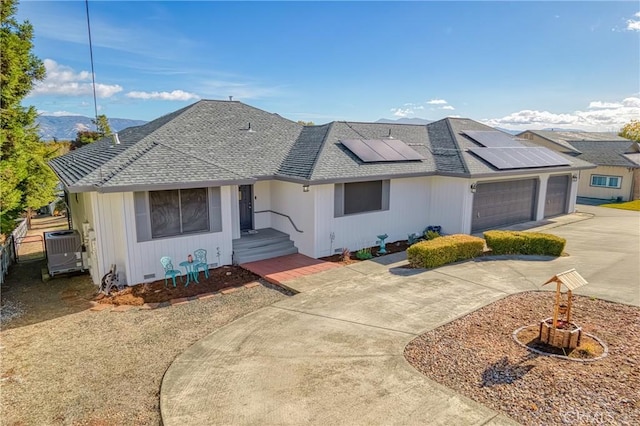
431	235
514	242
364	253
443	250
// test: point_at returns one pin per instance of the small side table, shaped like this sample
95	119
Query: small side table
192	274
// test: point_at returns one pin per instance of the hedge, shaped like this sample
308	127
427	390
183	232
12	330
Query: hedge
443	250
514	242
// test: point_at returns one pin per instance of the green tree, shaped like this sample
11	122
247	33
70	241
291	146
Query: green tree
631	130
305	123
102	125
84	137
26	182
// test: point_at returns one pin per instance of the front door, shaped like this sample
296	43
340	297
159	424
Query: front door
245	199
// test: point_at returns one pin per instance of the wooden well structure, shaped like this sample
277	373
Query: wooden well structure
558	330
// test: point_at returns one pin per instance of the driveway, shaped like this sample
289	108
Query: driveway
333	354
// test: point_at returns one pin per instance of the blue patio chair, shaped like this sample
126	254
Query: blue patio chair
169	271
201	262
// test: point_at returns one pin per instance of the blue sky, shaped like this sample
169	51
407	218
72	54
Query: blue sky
509	64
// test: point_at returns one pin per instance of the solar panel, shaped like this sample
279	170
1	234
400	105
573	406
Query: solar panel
492	138
520	157
379	150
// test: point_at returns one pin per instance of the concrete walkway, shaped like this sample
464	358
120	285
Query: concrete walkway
334	353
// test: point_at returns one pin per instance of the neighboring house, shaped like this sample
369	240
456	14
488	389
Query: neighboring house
617	176
206	175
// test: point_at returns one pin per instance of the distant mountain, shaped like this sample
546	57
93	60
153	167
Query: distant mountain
404	120
65	127
512	132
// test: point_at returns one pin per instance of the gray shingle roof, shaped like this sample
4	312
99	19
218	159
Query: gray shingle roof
476	166
209	141
606	153
225	142
336	162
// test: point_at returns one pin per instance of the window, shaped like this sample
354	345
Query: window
361	197
606	181
161	214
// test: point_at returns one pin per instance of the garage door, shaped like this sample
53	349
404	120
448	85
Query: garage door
504	203
557	194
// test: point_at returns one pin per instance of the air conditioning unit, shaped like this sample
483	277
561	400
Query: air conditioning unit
64	251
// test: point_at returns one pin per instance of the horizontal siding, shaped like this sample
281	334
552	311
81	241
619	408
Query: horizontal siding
408	205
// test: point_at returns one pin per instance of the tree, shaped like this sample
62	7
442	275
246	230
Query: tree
306	123
102	125
631	130
26	181
84	137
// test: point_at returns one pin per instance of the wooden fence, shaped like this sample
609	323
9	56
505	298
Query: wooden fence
9	247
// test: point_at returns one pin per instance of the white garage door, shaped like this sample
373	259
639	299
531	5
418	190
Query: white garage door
557	195
497	204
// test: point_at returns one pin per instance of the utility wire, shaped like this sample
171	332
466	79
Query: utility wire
93	74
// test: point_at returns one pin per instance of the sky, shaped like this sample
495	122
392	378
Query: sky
511	64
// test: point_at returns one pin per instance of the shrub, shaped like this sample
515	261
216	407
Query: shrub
364	253
443	250
514	242
430	235
345	256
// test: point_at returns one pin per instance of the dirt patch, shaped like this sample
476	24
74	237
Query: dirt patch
158	292
391	248
477	356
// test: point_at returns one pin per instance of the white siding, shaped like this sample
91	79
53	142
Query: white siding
450	204
289	199
408	206
261	202
117	242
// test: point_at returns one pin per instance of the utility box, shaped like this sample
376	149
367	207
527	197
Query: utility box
64	252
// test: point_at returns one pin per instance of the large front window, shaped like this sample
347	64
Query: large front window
179	211
361	197
606	181
170	213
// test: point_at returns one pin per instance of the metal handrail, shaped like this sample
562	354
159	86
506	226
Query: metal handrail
284	215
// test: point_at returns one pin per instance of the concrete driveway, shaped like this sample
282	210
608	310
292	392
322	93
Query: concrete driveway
334	353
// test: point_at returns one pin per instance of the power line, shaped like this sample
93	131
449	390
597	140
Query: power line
93	74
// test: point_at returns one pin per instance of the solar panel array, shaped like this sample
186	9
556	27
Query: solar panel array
492	138
520	157
378	150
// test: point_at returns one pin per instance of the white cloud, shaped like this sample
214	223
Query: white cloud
63	80
175	95
449	107
634	24
598	104
399	112
437	102
57	113
599	116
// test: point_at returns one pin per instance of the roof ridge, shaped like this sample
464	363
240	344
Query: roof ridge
455	141
320	146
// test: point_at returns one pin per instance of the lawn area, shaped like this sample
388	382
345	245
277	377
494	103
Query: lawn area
629	205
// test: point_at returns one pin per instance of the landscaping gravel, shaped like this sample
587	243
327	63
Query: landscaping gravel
477	356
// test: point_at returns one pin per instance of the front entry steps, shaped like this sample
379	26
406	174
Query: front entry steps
262	244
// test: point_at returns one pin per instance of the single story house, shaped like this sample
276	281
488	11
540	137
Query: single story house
617	175
219	175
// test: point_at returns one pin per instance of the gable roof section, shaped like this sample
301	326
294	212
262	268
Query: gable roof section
300	161
606	153
475	165
336	162
197	144
565	139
